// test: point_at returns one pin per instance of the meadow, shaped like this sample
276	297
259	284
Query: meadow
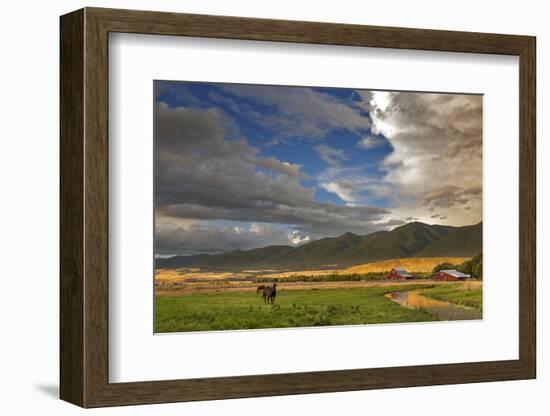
229	310
468	295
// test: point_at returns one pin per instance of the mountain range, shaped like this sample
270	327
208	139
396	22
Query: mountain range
414	239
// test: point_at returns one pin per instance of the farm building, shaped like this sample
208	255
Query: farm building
399	274
450	275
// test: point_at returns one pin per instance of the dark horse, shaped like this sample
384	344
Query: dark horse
261	289
269	293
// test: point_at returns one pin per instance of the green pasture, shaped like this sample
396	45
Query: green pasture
457	294
293	308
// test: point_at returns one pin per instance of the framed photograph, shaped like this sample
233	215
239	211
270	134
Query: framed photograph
280	207
255	207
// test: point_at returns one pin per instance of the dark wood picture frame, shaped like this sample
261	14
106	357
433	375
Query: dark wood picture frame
84	207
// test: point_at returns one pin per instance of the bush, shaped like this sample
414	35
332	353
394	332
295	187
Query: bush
443	266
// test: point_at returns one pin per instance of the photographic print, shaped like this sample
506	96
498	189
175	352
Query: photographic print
285	206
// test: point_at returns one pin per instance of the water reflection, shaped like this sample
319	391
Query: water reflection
440	309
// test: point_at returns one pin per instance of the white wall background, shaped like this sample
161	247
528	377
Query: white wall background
29	211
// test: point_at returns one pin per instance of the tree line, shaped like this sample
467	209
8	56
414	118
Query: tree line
473	267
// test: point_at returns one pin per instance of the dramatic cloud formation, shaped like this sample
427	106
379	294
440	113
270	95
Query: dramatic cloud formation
203	177
242	166
436	155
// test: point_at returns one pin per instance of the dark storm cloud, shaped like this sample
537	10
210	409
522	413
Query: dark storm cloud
173	236
451	196
317	218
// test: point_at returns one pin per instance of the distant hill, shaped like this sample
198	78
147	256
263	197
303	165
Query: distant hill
414	239
464	242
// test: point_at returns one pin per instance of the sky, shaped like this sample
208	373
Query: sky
245	166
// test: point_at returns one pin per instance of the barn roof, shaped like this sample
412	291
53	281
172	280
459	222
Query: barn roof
455	273
403	272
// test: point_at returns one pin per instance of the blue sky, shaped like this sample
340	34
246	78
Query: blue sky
242	166
301	148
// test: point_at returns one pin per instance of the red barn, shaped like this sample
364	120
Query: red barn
399	274
450	275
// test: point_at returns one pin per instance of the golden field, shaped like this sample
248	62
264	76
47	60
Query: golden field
413	265
177	275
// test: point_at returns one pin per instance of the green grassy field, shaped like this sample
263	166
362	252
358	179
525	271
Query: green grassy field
458	295
296	308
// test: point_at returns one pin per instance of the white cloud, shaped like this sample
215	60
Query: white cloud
353	185
297	237
345	194
370	142
381	100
